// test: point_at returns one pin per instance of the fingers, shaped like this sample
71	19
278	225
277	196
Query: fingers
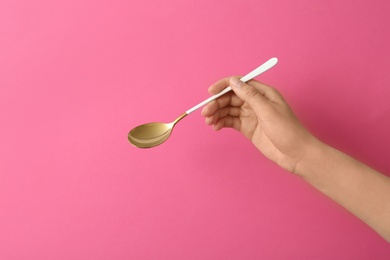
269	92
225	111
219	86
229	99
228	121
221	113
255	94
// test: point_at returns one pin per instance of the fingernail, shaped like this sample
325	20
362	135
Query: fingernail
209	120
203	109
235	82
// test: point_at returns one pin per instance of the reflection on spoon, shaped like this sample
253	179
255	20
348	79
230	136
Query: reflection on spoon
153	134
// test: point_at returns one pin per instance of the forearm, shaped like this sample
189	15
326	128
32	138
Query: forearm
360	189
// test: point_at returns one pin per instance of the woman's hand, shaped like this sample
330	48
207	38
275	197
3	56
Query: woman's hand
261	114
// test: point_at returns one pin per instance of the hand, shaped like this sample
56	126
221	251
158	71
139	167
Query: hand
261	114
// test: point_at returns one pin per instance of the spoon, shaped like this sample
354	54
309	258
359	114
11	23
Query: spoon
153	134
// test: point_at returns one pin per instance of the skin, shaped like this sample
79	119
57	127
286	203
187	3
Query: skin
262	115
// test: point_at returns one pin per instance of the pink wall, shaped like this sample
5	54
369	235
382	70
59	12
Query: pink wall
76	76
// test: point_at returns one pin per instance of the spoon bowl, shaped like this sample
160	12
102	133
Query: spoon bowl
153	134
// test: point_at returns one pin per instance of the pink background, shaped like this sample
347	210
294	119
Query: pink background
76	76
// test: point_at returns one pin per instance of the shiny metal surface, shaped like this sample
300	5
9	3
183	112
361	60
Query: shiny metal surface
152	134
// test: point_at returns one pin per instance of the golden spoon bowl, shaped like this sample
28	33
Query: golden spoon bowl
152	134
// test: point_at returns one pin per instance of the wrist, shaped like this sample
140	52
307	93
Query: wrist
314	152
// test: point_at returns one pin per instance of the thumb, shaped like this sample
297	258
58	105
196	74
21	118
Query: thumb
248	93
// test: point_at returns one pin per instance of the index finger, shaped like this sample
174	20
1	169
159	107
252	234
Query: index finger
219	86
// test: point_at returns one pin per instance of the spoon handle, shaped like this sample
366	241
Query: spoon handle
262	68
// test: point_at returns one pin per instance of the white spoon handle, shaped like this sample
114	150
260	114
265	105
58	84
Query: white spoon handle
262	68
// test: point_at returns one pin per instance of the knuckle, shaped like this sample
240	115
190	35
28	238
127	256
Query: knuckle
275	91
251	92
